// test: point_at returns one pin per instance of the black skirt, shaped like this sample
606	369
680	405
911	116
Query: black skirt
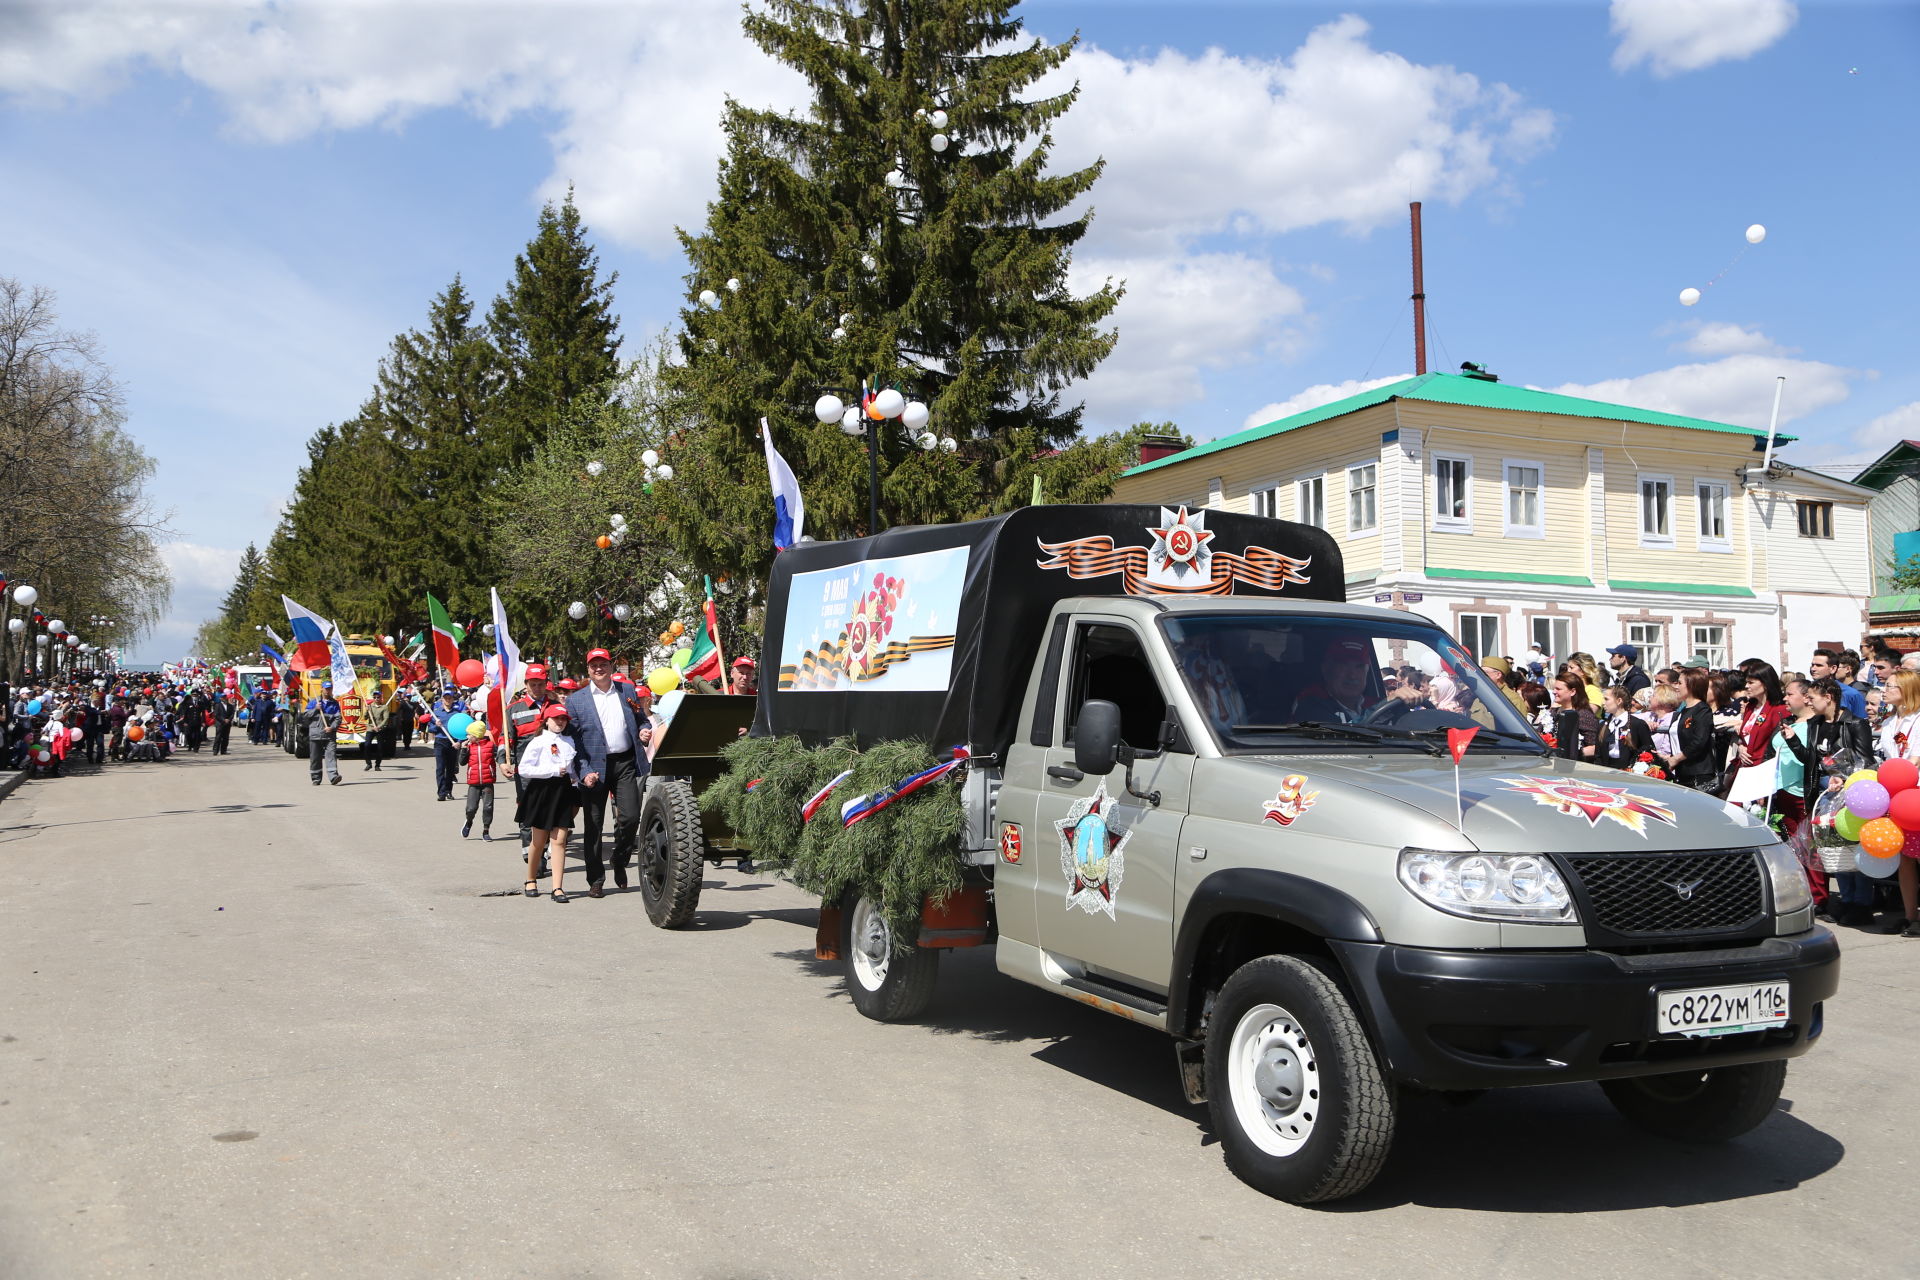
547	803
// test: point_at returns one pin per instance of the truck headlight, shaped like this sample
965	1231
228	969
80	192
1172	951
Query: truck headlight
1789	879
1522	887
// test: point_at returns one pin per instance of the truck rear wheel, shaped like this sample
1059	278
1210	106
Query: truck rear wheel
887	984
1296	1096
673	853
1714	1105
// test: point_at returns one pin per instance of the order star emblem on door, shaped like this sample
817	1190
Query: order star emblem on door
1092	854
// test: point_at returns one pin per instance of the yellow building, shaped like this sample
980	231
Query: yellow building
1514	517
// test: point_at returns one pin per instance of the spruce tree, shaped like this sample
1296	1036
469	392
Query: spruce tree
555	328
844	246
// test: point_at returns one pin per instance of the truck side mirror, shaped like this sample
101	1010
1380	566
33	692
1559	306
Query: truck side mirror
1096	738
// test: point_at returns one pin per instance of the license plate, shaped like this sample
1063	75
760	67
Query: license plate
1720	1011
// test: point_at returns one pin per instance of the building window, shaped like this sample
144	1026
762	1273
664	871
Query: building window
1361	485
1710	638
1816	519
1452	495
1656	511
1266	502
1554	636
1480	633
1712	497
1650	638
1524	499
1216	492
1310	501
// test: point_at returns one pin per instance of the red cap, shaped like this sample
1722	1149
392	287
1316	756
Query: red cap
598	653
1349	647
569	684
554	712
535	671
743	662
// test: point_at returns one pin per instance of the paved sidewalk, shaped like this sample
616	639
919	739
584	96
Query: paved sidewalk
256	1029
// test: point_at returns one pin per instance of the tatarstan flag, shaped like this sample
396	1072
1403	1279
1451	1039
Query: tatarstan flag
446	647
706	661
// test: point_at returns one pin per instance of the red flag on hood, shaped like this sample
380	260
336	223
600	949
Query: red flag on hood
1457	740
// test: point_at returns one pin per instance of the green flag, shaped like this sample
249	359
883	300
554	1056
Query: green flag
446	647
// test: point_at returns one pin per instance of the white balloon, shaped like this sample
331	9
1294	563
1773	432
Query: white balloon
40	640
846	319
949	444
650	457
915	415
618	536
889	403
1756	233
73	642
617	520
838	335
733	284
1689	296
1878	868
665	471
938	119
56	626
621	612
828	408
938	142
709	299
25	594
16	625
595	468
896	179
852	421
867	261
577	610
926	440
488	630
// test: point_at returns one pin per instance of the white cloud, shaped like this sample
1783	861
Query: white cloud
202	576
1314	396
1672	36
1898	424
1181	316
1338	132
1721	338
1736	389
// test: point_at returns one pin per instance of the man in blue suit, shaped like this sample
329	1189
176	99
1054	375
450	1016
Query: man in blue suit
612	731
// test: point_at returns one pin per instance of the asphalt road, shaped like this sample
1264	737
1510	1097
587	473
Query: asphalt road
254	1029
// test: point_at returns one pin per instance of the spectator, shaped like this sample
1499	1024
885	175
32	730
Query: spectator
1588	668
1667	676
1898	739
1911	661
1576	729
1765	712
1625	661
1539	706
1848	663
1691	763
1825	666
1623	735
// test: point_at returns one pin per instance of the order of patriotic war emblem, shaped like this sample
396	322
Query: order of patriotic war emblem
1575	798
1180	560
1093	855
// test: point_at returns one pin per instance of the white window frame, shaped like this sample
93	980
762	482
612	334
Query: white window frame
1553	623
1216	494
1653	653
1724	543
1648	539
1717	654
1265	502
1538	529
1372	490
1451	523
1316	486
1485	619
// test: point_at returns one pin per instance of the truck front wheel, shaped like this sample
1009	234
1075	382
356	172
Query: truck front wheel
672	853
887	984
1715	1105
1296	1096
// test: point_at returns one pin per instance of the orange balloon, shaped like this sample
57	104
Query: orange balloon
666	639
1882	837
603	542
135	733
678	629
874	412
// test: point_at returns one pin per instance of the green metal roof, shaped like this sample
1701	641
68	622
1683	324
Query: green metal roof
1459	389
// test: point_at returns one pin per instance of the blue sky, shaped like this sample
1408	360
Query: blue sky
246	201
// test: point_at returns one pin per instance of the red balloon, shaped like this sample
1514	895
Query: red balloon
1898	775
470	674
1905	810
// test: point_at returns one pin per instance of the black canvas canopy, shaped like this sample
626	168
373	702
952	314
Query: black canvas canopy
886	637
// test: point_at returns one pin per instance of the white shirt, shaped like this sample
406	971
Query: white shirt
547	755
1896	727
613	722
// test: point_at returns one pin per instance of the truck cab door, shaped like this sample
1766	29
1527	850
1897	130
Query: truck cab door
1103	860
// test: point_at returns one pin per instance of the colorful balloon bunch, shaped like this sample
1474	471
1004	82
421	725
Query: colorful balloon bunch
1881	810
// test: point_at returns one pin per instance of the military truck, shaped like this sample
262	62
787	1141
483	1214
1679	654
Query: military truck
1195	802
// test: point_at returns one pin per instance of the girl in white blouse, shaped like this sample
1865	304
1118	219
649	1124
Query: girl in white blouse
549	772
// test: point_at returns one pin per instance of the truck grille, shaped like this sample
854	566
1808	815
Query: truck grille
1671	892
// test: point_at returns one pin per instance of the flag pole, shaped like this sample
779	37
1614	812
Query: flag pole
713	621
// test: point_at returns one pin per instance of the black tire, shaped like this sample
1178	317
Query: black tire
1715	1105
887	983
673	853
1297	1098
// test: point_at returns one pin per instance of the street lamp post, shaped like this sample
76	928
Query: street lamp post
863	417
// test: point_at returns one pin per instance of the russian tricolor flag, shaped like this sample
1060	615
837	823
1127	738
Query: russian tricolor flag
789	511
311	651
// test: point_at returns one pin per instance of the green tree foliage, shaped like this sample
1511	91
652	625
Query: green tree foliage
1905	574
75	521
944	271
1084	471
230	631
555	329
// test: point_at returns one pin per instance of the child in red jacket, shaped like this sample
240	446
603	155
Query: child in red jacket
476	757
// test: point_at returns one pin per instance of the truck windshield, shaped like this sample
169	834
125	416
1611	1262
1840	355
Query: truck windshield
1276	682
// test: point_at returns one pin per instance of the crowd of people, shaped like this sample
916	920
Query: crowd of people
46	725
1700	725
